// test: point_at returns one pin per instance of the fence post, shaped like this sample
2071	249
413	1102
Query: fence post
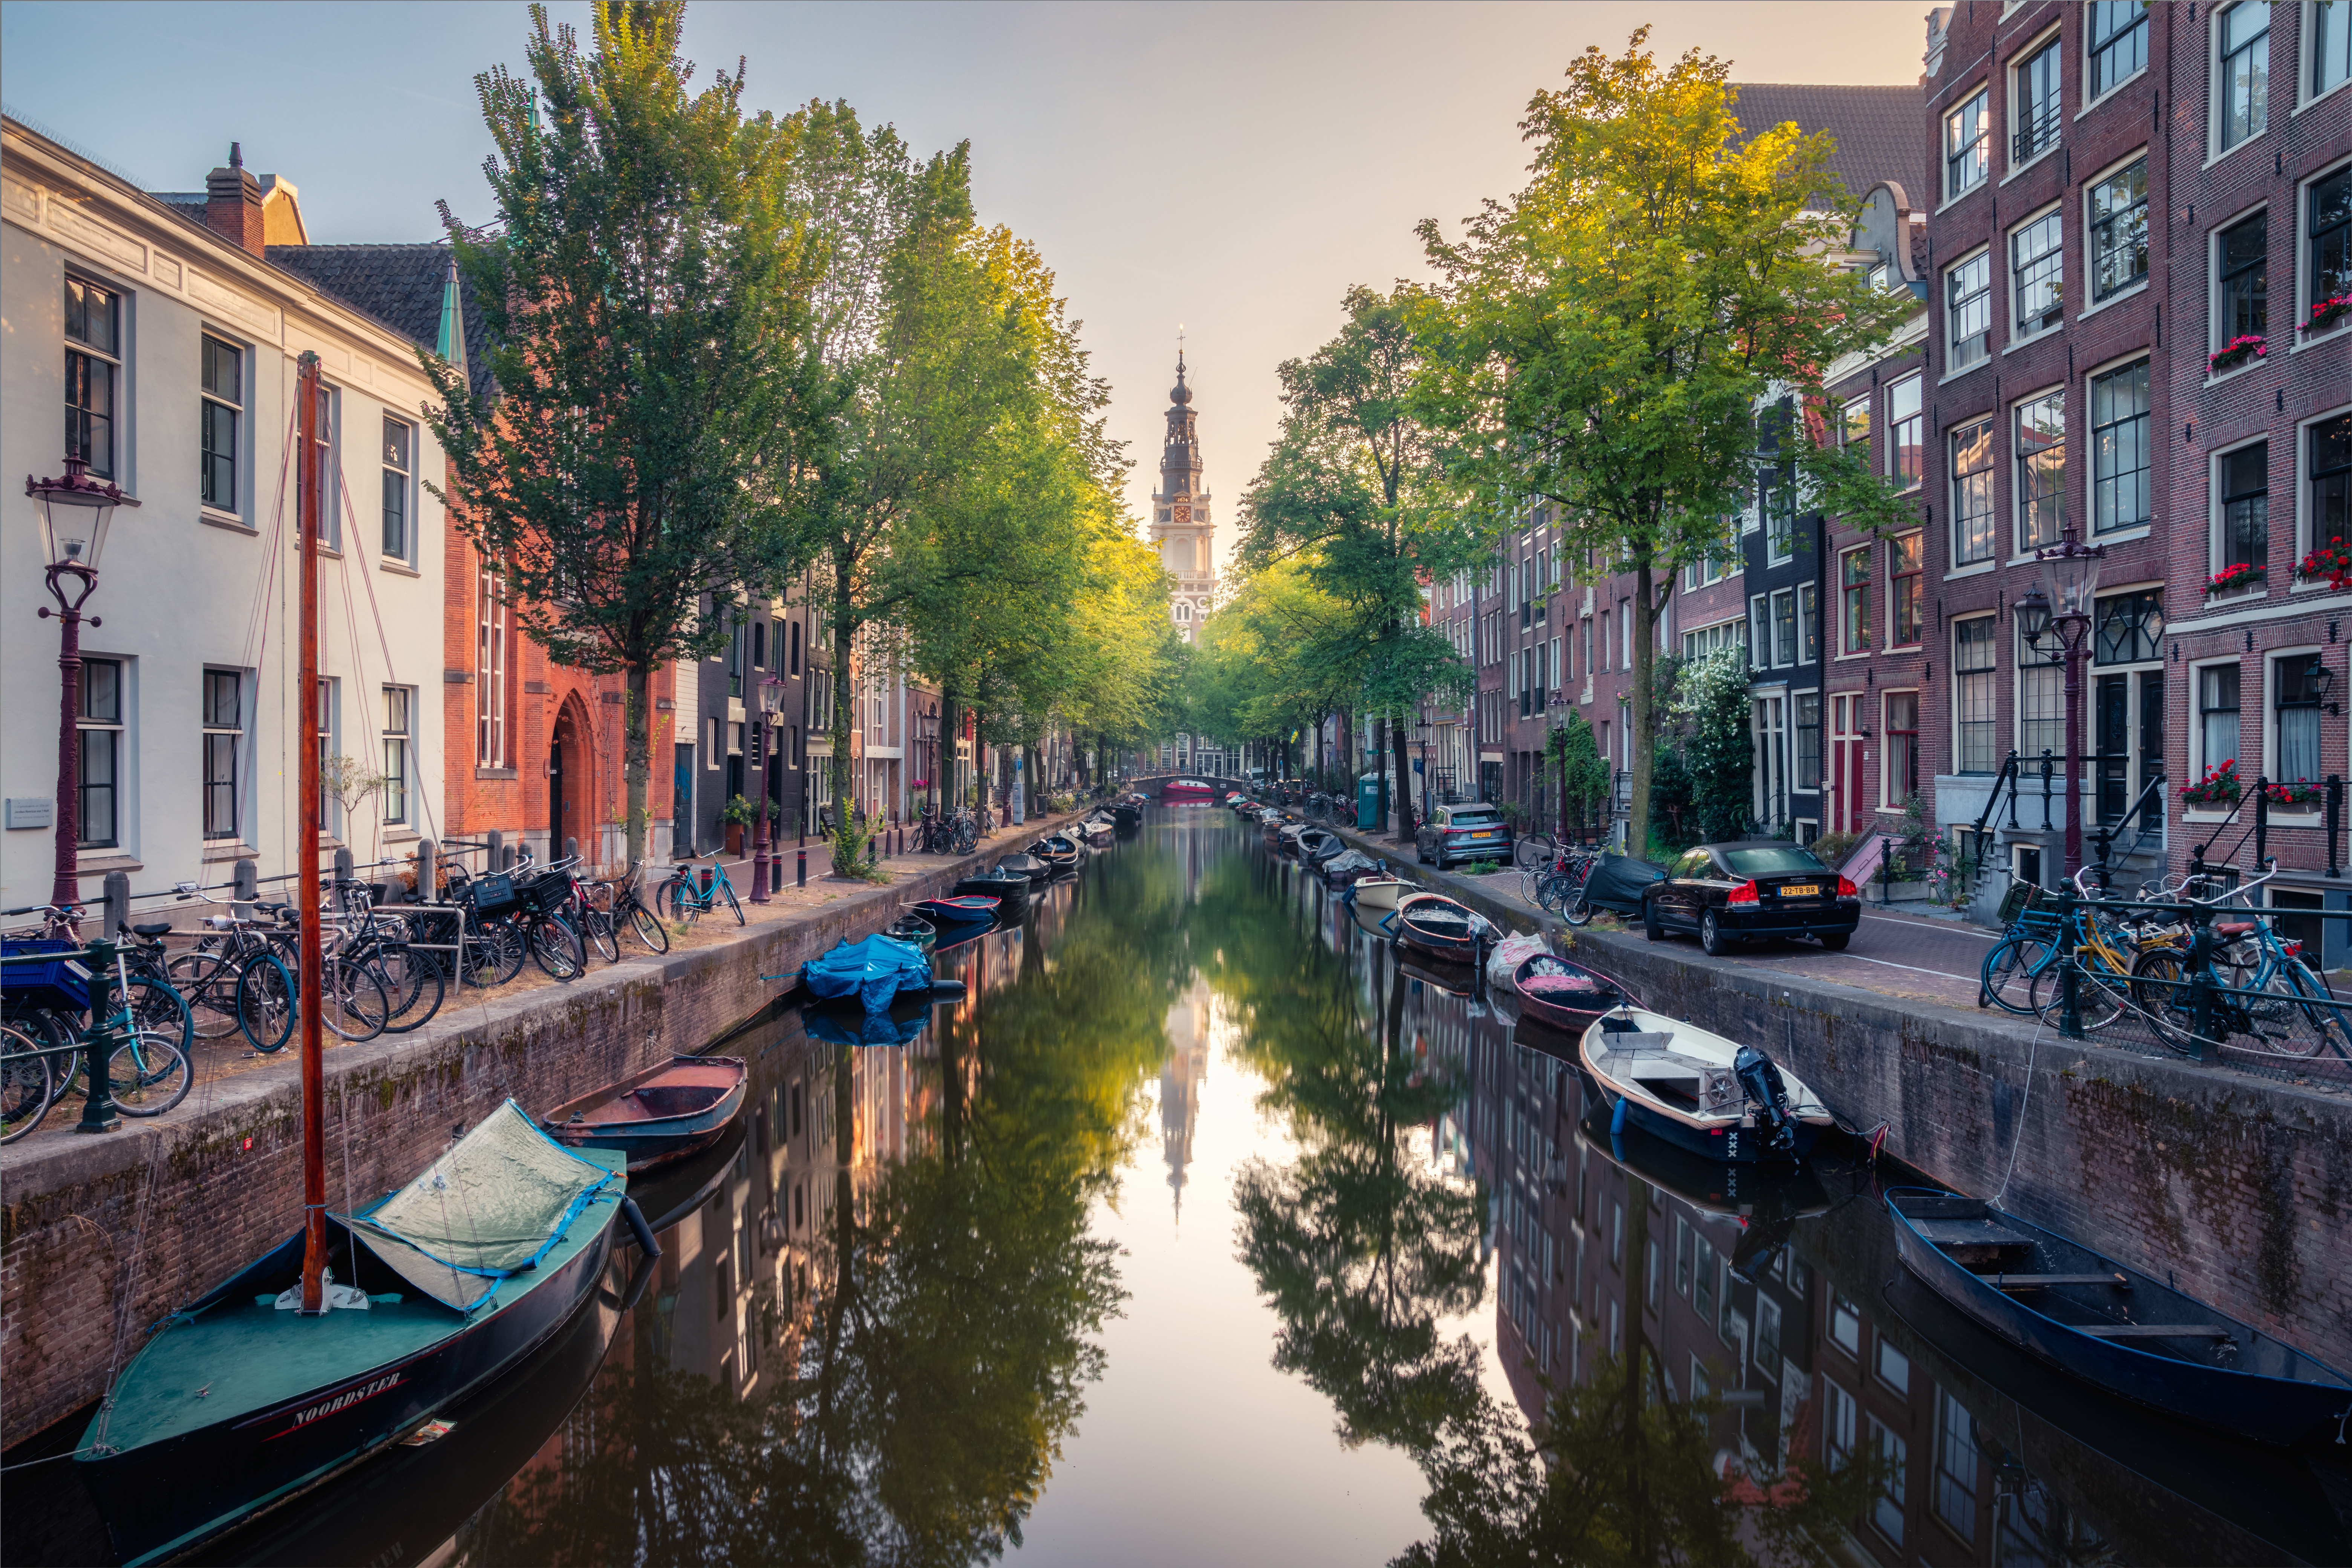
118	902
570	848
343	865
428	872
2070	1005
495	843
245	882
98	1112
2335	818
2262	823
2200	984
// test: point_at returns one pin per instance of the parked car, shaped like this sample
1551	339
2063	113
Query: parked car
1749	891
1472	831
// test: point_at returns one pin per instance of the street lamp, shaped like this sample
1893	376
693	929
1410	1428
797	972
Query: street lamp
1421	733
771	709
75	512
2056	617
927	736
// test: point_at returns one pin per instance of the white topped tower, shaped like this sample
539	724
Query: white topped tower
1180	529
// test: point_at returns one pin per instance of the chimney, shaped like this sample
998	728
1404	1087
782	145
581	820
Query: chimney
233	204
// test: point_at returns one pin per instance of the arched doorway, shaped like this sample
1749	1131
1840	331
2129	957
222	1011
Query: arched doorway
570	768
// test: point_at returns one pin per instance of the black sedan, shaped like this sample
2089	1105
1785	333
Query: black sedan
1750	891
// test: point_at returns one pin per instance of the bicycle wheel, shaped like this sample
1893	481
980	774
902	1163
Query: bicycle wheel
671	898
596	929
1534	852
28	1083
2098	994
155	1008
2301	1023
727	890
555	947
648	930
2157	992
415	985
264	1002
209	982
357	1007
2006	977
147	1074
494	954
1572	907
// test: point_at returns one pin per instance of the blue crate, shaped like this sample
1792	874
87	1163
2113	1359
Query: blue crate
61	985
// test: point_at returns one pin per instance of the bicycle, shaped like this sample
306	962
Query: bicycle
1560	888
378	944
552	942
2269	994
234	980
624	910
143	1035
688	901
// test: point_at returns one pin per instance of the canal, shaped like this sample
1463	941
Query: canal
1206	1229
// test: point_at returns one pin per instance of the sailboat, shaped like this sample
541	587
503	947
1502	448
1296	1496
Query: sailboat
285	1375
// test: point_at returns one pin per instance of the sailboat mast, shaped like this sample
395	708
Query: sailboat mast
311	486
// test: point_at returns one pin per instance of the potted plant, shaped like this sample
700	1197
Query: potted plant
2331	560
2243	349
2300	796
2328	312
2219	787
2242	576
737	815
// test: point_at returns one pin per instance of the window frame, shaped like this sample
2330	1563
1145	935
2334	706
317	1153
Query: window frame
1976	686
2217	59
331	470
400	786
115	729
1955	1489
2217	549
2030	485
215	731
1805	741
2219	289
209	400
2307	248
1916	383
2033	139
493	651
2307	479
1980	300
2095	225
1966	550
2093	45
1977	104
2040	686
402	482
1889	800
2053	258
2201	761
2307	91
2142	360
2275	711
115	361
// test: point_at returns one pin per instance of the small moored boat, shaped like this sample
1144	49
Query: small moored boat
1316	845
915	932
1185	792
666	1113
1059	851
1350	866
1010	890
2112	1326
1699	1090
1564	994
1127	814
963	909
1440	927
1379	892
1019	864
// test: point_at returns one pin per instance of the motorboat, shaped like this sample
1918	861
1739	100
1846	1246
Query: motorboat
1185	792
1318	845
1058	850
1009	888
1699	1090
875	971
1440	927
1350	866
914	930
1767	1200
1379	892
2112	1326
1020	864
964	909
663	1113
1127	814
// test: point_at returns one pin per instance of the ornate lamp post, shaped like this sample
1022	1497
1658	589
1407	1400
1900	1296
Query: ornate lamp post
75	512
927	736
1421	733
2055	616
771	709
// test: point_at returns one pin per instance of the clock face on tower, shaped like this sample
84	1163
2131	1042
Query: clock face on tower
1183	514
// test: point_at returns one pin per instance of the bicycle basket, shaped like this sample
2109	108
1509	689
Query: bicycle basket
61	985
2023	899
541	895
490	898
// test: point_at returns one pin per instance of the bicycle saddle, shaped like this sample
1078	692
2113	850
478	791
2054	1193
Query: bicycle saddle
2232	928
152	929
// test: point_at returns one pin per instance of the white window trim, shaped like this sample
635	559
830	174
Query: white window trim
1953	653
2214	152
413	493
1775	597
2306	13
2084	72
2198	761
2303	518
1944	307
2213	289
1893	455
2213	522
126	446
2016	490
1864	551
240	515
2298	340
2018	57
1959	102
1891	806
2271	657
2008	250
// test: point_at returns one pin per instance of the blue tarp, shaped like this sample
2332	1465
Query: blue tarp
874	971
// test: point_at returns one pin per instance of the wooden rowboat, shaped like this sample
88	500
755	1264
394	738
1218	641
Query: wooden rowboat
663	1113
1699	1090
914	930
1565	994
2112	1326
1440	927
963	909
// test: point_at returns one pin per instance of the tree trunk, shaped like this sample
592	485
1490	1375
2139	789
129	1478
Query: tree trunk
1381	761
844	708
1406	804
636	760
943	760
1644	717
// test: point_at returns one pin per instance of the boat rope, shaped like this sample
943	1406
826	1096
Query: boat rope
131	1284
2033	1048
51	1459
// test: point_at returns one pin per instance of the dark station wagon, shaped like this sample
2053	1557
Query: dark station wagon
1750	891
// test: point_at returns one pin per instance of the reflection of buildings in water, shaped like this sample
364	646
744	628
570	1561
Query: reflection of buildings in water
1189	1030
1594	1260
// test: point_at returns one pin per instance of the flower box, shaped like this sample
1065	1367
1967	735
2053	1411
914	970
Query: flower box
2233	577
2300	796
2328	313
2240	351
2331	562
2219	787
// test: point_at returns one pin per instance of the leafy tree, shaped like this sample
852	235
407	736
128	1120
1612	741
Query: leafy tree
1718	751
642	298
1604	339
1574	758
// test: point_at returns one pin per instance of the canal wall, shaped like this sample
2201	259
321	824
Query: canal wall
2238	1187
101	1236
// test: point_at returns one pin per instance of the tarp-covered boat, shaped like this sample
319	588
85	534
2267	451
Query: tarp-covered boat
1018	864
845	1024
874	970
2112	1325
664	1112
239	1401
1349	866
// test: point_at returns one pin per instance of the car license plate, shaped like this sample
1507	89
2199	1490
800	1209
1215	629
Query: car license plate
1482	836
1802	890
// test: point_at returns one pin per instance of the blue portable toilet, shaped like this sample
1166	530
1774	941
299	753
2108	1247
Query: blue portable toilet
1371	802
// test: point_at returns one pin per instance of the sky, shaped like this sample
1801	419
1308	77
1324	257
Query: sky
1226	169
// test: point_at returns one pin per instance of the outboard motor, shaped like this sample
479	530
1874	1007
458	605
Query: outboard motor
1761	1079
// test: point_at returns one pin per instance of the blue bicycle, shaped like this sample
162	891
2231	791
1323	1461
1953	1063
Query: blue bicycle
686	899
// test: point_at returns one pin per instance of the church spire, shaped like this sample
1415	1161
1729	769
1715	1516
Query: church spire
1180	528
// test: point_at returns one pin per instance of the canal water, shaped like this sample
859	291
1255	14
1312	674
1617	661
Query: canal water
1206	1229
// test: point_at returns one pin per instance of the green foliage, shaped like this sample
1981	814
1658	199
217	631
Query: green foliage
852	847
1717	751
737	812
642	299
1572	756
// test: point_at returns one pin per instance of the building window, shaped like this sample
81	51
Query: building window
2296	686
1845	1325
2130	629
1974	660
2329	270
1906	584
2122	487
396	740
2331	45
1842	1426
98	716
710	751
223	728
1853	600
331	516
1809	624
2242	280
491	636
1967	131
796	646
1780	518
2217	715
1809	740
1887	1513
2329	516
2038	103
1956	1467
1892	1366
2040	446
93	363
1768	1336
223	407
2245	508
2119	229
2040	712
1906	425
2118	39
1968	311
1972	521
2244	80
2037	273
1760	632
1902	748
1784	627
399	442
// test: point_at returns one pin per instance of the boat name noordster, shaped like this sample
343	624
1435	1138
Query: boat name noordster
342	1401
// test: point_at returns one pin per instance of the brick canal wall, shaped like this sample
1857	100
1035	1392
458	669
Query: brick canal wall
2238	1187
101	1236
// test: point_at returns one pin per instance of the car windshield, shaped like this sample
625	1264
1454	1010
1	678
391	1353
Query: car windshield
1771	862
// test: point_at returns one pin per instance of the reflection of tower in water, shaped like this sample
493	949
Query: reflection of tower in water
1182	1075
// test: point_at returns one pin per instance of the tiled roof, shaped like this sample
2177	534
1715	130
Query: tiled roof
1881	131
400	285
182	201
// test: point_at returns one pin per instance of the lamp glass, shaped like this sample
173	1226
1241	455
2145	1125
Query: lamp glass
2034	616
73	526
771	696
2070	576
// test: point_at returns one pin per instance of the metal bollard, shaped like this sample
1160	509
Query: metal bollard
497	841
98	1112
343	865
428	872
245	882
803	882
118	902
570	848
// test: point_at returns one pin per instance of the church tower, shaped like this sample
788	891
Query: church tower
1180	530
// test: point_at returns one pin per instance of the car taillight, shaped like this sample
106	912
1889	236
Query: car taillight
1743	894
1846	890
